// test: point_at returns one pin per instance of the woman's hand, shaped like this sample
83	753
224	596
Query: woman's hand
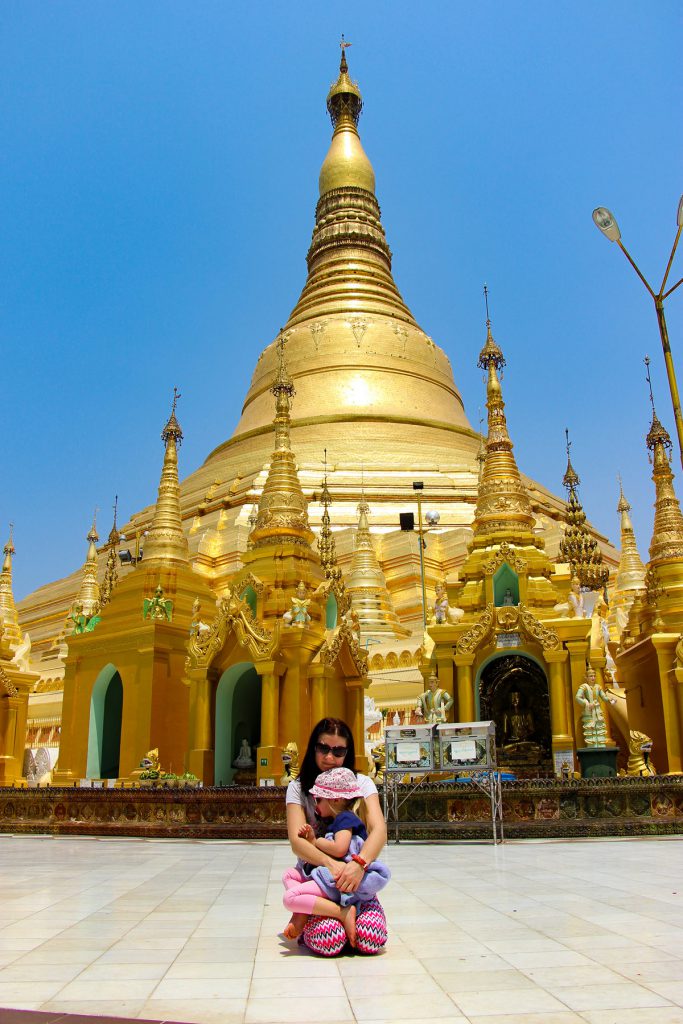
336	868
349	877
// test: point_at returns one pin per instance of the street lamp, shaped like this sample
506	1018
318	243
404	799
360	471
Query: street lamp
605	220
407	520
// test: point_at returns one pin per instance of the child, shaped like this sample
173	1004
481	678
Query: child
312	890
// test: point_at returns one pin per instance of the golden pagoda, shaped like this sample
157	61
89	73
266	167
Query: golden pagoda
377	393
578	547
123	689
9	619
630	578
650	660
367	586
280	653
517	645
16	679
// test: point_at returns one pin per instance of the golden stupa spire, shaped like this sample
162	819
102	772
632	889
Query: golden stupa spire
578	547
631	567
111	573
349	261
166	543
9	619
667	533
89	592
502	504
326	544
630	577
366	584
282	509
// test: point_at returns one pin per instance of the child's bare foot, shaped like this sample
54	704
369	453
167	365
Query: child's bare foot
349	921
295	927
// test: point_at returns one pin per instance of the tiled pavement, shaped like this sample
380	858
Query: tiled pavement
535	932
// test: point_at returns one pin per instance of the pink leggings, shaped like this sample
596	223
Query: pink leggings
301	893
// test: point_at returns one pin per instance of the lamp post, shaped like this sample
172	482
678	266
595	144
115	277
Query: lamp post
606	222
407	520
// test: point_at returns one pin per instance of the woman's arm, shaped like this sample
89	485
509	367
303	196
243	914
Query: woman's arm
351	875
301	847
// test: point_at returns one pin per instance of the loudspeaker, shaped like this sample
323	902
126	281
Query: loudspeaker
407	520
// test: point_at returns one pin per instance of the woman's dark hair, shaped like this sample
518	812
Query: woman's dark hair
334	727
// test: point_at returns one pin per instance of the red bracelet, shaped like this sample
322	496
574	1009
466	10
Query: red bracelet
359	860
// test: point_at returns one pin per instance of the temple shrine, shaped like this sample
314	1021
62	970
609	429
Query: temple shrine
287	577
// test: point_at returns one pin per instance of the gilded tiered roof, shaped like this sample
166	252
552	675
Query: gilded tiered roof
502	503
111	572
630	578
366	584
282	508
578	547
166	543
667	533
9	620
89	591
326	544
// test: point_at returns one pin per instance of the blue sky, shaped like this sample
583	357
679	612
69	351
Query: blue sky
157	192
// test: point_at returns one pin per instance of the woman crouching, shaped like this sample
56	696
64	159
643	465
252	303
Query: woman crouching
360	918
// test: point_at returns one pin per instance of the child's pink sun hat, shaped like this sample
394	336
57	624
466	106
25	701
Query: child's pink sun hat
336	784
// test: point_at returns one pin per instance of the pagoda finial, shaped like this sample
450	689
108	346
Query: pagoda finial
282	509
658	439
491	355
89	592
166	543
578	546
284	391
343	66
92	534
623	505
8	549
346	164
172	429
114	535
571	477
502	501
10	631
111	572
667	532
326	544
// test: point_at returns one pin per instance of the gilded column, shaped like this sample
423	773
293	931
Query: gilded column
355	717
465	708
269	759
445	666
319	676
201	754
562	740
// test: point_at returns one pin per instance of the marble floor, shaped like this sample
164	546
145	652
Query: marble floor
536	932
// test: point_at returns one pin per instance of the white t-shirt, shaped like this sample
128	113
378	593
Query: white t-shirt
295	796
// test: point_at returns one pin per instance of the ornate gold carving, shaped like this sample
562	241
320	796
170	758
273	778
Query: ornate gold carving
359	326
547	638
233	613
477	633
317	329
638	745
329	652
505	553
7	685
507	617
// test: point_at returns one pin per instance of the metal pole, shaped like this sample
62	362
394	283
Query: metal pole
670	372
422	561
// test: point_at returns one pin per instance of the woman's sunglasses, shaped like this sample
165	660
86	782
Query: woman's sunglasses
324	749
